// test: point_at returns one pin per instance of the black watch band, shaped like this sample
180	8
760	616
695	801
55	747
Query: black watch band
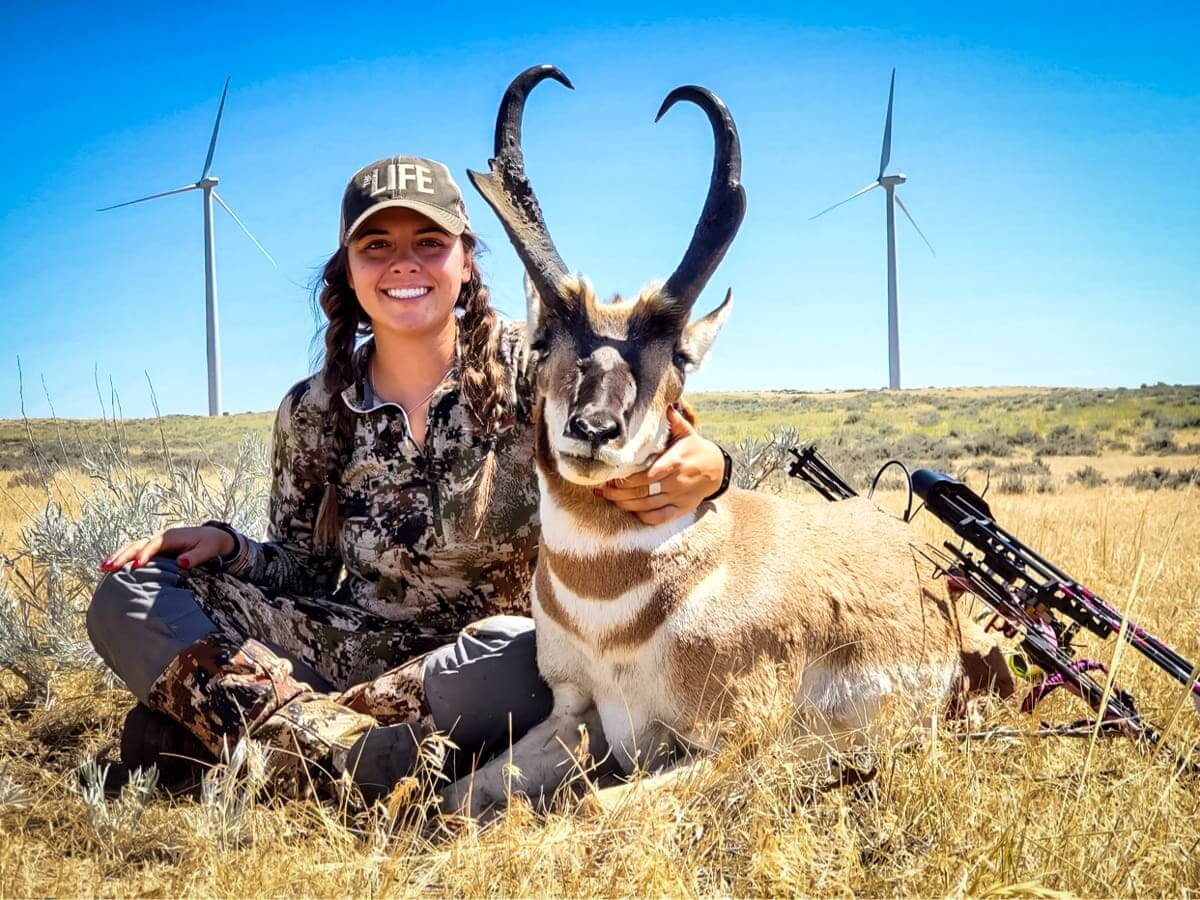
725	479
227	559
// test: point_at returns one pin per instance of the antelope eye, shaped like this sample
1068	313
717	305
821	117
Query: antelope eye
680	359
539	346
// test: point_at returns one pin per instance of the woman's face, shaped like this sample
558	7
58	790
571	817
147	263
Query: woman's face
407	272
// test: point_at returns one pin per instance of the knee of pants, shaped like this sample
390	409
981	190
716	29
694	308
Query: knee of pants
485	687
140	619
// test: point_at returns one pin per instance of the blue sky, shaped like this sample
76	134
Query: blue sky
1051	155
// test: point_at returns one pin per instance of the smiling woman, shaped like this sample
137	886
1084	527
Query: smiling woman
407	461
407	273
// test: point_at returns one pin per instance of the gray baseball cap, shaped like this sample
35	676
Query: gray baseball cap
411	182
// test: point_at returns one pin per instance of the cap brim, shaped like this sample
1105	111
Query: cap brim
453	224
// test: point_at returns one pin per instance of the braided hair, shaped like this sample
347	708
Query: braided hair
481	373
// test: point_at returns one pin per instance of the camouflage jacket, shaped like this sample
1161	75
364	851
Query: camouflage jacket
408	542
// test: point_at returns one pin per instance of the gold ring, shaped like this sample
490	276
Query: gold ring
654	489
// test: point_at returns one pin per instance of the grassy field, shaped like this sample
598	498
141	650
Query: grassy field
1014	817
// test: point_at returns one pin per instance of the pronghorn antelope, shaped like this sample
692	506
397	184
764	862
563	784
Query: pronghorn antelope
642	630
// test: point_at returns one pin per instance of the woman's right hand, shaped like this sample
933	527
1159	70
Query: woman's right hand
190	546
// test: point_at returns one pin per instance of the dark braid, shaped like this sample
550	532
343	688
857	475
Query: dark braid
479	348
482	374
347	321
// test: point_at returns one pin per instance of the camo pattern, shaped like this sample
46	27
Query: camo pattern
418	569
343	644
225	685
413	556
220	687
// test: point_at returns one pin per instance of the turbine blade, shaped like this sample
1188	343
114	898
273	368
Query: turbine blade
904	209
874	184
190	187
241	224
886	156
212	144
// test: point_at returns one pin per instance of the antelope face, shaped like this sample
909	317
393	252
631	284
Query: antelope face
607	372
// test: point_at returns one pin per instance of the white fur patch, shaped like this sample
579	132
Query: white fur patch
849	697
595	617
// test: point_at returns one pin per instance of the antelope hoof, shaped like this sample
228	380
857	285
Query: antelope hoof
470	797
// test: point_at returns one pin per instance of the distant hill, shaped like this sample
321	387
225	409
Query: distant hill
975	421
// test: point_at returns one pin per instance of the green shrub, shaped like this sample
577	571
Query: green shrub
42	610
1088	476
1025	437
1035	468
1158	441
1066	440
989	443
1159	477
1012	483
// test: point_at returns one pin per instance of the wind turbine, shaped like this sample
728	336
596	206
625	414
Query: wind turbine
889	183
208	184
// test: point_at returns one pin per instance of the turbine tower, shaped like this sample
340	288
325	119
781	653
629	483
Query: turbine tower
208	184
889	183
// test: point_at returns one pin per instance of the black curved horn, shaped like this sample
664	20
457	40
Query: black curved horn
723	208
508	191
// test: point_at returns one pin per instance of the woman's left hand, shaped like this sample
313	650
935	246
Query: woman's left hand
689	470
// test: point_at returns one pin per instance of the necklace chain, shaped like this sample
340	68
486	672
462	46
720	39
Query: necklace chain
409	410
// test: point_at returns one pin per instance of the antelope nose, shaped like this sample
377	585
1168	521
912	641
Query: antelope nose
596	428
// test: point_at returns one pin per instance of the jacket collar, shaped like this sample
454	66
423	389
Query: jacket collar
360	396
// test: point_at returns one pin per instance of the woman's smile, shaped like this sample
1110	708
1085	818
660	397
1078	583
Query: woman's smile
412	293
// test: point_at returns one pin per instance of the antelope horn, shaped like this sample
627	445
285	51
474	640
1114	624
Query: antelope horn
723	208
508	191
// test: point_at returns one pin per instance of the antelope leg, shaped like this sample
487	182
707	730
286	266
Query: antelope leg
536	765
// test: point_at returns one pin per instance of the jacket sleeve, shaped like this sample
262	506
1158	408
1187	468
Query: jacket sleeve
288	561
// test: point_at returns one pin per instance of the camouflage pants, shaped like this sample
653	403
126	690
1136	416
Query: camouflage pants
274	657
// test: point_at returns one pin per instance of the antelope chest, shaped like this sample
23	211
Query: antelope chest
606	624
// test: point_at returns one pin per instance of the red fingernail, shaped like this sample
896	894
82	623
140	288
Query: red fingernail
596	492
612	482
134	564
184	563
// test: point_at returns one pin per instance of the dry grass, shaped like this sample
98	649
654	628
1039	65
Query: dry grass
1012	817
1023	816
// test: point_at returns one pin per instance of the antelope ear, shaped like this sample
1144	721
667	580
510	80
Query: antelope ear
698	336
533	308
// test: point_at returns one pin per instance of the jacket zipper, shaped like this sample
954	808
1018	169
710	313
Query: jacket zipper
435	494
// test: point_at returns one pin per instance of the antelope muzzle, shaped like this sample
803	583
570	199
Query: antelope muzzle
598	414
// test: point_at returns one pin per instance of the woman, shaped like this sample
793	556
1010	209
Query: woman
408	462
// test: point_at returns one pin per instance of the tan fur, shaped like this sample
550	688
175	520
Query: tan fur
604	576
655	629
